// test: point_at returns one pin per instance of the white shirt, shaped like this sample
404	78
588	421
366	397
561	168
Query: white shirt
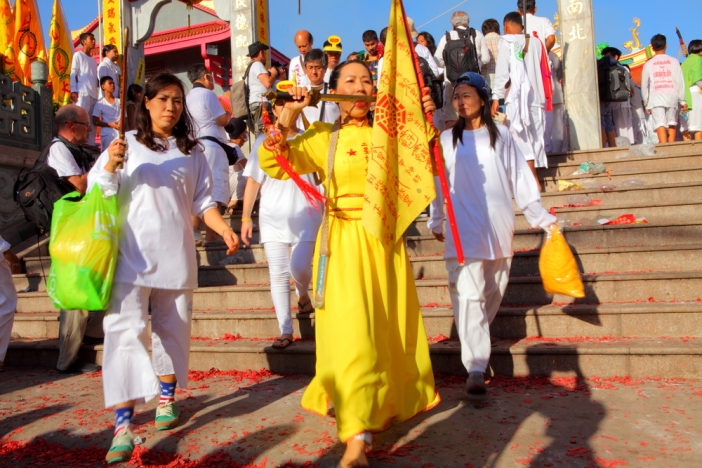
327	75
556	77
480	46
84	78
204	108
256	88
423	51
284	214
482	199
109	68
313	114
662	83
156	194
509	66
541	25
61	159
296	72
8	293
108	113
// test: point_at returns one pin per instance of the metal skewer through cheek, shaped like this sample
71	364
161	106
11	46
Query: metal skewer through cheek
123	95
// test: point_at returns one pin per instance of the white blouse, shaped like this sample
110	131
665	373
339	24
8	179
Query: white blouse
156	195
482	182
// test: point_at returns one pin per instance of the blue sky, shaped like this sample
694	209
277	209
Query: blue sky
349	18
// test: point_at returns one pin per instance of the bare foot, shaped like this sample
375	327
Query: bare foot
355	454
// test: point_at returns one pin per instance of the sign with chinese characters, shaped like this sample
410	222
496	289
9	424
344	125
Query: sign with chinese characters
580	73
262	22
112	23
242	26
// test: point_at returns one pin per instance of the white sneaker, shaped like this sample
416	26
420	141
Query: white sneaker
475	385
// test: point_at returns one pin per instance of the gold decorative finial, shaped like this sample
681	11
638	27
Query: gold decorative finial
634	44
556	26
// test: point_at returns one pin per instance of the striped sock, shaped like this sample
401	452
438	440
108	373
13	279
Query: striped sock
167	393
123	419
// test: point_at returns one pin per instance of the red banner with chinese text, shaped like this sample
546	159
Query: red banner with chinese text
400	182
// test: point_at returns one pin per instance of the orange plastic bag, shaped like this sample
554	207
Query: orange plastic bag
559	272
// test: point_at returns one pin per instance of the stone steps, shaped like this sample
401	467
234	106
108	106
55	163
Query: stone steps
610	154
567	168
634	357
598	260
646	319
599	288
653	193
662	175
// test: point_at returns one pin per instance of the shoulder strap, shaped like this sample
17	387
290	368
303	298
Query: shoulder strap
247	91
44	154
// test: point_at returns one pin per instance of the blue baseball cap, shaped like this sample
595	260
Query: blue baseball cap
476	81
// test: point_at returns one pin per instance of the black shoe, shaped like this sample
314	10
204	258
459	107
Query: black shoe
92	341
81	367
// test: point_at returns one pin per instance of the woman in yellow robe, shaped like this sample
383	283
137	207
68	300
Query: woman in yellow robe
373	361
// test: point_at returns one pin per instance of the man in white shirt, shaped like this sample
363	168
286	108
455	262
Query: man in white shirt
258	81
106	113
537	24
525	98
333	49
209	119
75	326
460	21
296	73
84	78
109	67
315	65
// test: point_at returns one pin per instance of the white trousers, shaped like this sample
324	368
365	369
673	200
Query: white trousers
554	138
476	290
128	373
623	121
286	260
88	103
530	140
8	304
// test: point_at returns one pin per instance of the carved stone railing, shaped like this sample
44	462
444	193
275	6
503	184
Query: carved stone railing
25	113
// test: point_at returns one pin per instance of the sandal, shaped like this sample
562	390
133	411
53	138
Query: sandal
281	343
302	308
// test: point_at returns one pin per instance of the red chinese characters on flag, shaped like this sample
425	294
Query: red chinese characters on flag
112	20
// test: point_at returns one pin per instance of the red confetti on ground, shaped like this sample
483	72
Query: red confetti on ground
238	376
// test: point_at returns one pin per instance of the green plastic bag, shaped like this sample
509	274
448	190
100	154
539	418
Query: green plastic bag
83	249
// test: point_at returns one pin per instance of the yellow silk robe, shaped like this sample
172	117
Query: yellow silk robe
372	352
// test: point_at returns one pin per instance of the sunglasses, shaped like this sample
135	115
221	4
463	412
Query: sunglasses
87	124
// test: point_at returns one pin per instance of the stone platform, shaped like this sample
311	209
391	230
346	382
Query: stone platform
253	419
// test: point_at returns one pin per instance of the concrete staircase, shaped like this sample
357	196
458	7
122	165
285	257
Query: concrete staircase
642	314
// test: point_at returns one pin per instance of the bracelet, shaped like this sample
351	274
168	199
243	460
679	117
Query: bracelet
246	219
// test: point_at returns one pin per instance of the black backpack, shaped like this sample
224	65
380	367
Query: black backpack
37	189
432	82
613	82
460	55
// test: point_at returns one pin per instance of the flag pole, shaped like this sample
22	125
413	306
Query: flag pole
434	147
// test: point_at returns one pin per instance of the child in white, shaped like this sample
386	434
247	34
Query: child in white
663	90
525	98
165	179
485	170
288	225
555	137
106	113
8	298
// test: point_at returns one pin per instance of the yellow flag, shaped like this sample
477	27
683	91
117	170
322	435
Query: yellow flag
7	25
399	182
60	56
29	38
10	64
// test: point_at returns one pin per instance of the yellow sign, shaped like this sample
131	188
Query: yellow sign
400	181
60	56
141	68
29	39
262	21
112	23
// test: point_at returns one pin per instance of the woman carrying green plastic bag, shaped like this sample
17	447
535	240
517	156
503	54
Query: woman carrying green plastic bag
83	247
164	180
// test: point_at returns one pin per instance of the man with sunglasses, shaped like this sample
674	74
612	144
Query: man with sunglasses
76	327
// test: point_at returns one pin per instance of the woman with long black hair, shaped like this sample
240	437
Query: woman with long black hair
164	180
484	169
